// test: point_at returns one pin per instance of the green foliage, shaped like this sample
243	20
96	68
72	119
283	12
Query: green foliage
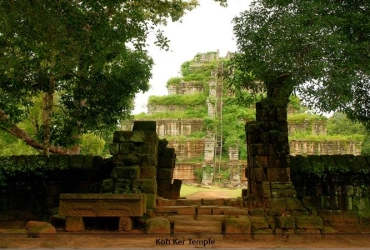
10	145
301	117
339	124
297	45
182	100
198	172
91	53
198	72
199	112
174	81
36	165
311	137
92	145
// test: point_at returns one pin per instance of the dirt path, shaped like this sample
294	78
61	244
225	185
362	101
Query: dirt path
210	194
13	235
121	240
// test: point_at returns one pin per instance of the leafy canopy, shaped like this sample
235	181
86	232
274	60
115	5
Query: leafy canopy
91	52
319	48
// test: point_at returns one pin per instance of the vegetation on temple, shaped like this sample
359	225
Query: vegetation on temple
235	111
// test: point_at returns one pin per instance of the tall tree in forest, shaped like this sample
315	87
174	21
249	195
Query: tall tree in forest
318	48
90	52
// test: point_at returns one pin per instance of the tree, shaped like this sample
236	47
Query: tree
339	124
316	48
90	52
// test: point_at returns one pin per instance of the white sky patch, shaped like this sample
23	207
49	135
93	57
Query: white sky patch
206	28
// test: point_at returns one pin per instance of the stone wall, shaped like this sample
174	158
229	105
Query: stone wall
177	127
314	127
307	147
186	88
185	172
206	57
172	127
337	186
32	190
187	149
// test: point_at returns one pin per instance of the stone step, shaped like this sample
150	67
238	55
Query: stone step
199	210
197	227
234	202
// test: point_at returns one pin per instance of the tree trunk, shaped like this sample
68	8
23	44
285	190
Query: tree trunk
47	115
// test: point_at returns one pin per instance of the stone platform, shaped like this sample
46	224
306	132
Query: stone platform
124	206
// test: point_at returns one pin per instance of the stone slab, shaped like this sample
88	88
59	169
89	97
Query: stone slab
102	205
213	202
180	210
174	218
236	211
189	202
240	225
157	225
198	227
205	210
308	222
74	224
259	222
204	217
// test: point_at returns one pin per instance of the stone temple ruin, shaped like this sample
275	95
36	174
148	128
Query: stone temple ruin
141	186
136	187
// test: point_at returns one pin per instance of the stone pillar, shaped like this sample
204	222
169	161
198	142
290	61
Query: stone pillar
268	168
135	157
166	165
207	176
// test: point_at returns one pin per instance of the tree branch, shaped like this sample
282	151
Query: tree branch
16	131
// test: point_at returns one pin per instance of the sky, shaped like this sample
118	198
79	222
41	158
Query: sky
206	28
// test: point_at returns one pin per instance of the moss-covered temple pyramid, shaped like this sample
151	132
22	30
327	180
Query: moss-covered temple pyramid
204	122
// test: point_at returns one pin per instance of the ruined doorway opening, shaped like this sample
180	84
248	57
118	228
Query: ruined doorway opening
101	223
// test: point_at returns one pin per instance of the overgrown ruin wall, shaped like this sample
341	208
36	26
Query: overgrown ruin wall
188	149
172	127
307	147
153	109
30	193
186	88
337	187
315	128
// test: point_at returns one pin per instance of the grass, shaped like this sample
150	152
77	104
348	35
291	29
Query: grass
187	190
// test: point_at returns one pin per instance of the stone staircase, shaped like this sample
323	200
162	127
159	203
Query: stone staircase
226	218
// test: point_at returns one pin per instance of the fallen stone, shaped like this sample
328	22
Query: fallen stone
241	225
46	230
158	225
74	224
33	223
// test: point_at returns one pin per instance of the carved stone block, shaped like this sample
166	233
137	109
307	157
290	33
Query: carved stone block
102	205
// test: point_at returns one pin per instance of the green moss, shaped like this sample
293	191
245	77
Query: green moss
174	81
181	100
